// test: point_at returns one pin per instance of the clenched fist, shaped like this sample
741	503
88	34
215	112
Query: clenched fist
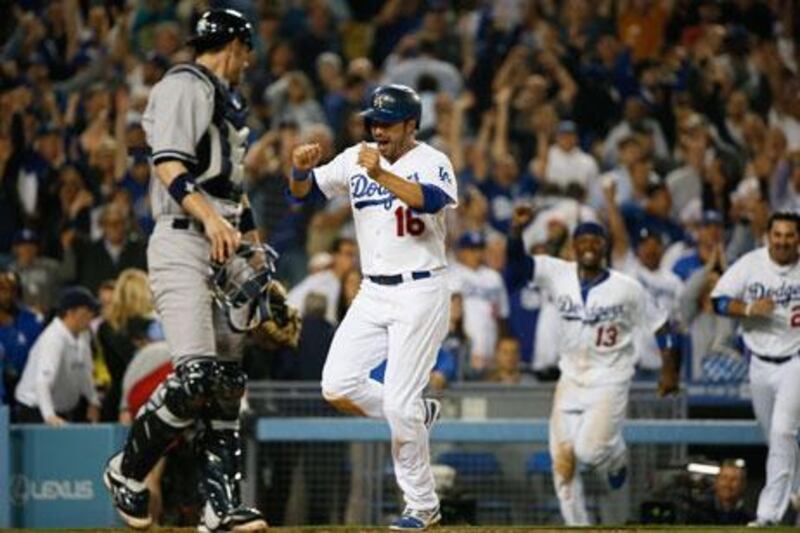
306	156
760	308
370	159
521	217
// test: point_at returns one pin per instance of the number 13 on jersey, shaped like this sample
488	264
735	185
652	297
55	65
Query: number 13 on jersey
606	336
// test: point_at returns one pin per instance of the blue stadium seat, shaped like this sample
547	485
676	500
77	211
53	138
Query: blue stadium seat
539	463
472	464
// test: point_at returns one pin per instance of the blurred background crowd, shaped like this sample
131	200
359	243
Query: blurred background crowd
674	122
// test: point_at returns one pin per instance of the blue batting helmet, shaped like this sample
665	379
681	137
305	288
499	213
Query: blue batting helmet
393	103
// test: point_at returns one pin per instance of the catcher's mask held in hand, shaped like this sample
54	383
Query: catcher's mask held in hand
239	285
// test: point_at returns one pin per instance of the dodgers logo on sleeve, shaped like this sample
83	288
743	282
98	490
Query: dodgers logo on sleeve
444	175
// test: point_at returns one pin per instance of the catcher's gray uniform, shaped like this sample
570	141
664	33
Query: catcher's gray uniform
189	119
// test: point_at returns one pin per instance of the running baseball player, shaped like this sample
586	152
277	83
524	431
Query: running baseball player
194	122
763	290
398	189
599	311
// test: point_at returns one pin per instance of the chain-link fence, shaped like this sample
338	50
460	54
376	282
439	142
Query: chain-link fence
480	483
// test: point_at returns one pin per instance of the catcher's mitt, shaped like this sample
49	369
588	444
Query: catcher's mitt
282	327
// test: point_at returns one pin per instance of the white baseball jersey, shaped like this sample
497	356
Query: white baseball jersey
392	238
324	283
756	276
485	303
597	325
663	287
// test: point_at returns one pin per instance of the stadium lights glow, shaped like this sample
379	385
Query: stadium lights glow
699	468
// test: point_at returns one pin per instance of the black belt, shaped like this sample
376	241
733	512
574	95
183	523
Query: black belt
775	360
188	223
397	279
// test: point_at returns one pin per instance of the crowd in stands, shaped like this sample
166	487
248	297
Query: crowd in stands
676	123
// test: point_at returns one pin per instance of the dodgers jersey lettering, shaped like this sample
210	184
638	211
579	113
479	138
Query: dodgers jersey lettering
596	334
755	276
393	239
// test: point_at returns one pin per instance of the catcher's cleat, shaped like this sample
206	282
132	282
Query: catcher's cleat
433	410
415	520
239	519
131	498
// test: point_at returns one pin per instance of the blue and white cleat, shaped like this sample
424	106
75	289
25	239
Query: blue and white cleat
414	520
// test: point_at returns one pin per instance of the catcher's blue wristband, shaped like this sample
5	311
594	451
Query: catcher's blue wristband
300	175
181	187
246	222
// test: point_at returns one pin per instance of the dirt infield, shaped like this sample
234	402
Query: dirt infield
450	529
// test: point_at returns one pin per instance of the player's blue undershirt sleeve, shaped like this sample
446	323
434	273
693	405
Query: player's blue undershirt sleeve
722	305
519	265
433	198
315	195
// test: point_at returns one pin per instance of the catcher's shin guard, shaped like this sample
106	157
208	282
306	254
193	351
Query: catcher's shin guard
220	484
221	449
147	441
173	407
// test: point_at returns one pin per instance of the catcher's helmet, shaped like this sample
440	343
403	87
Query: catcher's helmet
240	285
393	103
220	26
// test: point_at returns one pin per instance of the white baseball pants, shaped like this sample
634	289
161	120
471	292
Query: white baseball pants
776	402
585	430
405	324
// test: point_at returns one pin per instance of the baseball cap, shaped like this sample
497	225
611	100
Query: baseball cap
26	236
160	61
471	239
589	228
77	296
711	217
567	126
139	156
648	233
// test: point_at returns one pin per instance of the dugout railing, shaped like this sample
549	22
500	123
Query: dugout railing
490	449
